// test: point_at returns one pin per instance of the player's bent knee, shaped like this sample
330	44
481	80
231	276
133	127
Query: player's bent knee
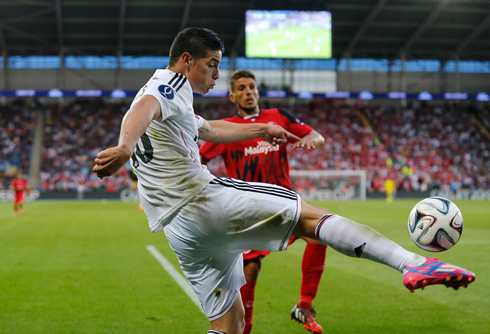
313	241
309	218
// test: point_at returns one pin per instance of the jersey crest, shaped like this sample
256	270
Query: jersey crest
166	91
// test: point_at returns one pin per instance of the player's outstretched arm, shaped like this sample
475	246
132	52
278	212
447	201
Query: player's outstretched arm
310	141
134	125
222	132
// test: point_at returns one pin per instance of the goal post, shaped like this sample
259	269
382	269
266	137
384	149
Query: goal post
329	185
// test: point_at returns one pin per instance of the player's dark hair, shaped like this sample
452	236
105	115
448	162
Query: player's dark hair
240	74
197	41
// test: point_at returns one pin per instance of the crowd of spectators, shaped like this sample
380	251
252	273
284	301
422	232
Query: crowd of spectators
73	135
483	115
17	127
434	146
420	147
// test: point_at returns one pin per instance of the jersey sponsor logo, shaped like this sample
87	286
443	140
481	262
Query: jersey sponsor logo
166	91
262	147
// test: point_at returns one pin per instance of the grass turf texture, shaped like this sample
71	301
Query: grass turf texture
257	45
69	267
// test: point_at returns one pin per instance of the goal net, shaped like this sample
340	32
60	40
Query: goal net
329	185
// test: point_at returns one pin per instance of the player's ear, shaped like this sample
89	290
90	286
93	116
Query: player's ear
232	97
186	59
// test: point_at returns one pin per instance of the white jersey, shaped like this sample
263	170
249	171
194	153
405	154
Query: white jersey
166	159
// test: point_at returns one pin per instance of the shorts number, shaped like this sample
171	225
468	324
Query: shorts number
145	157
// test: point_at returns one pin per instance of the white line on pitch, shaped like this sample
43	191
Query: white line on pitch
178	278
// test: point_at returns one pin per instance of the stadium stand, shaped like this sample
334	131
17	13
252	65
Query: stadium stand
17	126
438	145
484	117
421	147
73	135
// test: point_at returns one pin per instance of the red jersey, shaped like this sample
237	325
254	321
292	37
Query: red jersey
256	160
19	187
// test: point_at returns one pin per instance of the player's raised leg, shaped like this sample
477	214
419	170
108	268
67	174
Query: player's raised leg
357	240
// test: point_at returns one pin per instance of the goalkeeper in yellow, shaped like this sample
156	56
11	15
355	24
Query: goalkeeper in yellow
390	187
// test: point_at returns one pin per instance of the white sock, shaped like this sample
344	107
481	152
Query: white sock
357	240
214	331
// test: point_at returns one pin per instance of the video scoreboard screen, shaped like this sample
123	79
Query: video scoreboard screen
288	34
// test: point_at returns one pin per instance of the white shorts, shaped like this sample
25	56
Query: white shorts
229	216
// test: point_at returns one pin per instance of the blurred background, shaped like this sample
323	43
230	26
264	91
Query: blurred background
397	87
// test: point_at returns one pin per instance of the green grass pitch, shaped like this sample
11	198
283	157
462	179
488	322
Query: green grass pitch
83	267
302	46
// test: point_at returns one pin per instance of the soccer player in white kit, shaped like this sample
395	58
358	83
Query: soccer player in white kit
210	221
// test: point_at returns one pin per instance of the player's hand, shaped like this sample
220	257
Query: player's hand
304	143
276	135
111	160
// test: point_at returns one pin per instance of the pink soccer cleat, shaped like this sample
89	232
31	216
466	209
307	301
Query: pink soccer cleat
433	272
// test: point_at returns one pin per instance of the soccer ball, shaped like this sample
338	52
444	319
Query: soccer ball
435	224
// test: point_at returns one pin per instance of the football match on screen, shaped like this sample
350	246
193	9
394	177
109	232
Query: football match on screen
265	167
288	34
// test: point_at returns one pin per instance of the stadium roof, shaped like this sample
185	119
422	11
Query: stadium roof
418	29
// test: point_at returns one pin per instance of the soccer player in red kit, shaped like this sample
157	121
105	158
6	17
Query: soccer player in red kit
19	185
256	160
